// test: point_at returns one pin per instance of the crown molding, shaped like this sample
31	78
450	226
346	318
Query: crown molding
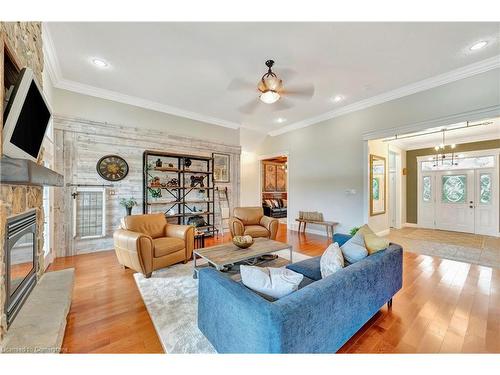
55	74
426	84
60	82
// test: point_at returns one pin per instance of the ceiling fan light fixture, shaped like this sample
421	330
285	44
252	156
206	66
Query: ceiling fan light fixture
269	97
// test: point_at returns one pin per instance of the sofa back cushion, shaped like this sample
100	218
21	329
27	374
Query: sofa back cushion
249	215
153	224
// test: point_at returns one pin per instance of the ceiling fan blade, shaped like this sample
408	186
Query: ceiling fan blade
239	84
305	91
282	105
286	74
249	107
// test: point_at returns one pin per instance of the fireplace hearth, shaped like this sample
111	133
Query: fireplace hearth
21	261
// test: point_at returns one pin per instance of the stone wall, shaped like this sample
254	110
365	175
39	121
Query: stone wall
80	143
25	38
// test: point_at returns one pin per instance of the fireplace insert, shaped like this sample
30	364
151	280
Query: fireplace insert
21	261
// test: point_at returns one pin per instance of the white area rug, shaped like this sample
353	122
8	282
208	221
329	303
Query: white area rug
171	297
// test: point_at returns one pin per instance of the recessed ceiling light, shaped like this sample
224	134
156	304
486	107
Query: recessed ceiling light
338	98
280	120
478	45
100	63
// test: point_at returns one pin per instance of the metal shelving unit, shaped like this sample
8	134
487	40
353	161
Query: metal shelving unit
184	200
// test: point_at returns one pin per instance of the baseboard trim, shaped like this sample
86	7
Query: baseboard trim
410	225
295	227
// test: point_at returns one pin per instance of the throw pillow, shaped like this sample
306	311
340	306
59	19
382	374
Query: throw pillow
375	243
272	282
354	250
269	203
331	261
275	203
285	203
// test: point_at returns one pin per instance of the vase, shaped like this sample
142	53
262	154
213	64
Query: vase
129	210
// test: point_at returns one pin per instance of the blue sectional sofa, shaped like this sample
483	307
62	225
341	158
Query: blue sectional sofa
318	318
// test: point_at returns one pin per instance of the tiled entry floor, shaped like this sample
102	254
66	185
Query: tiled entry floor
464	247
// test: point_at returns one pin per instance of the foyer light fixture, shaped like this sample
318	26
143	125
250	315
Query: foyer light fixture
441	152
270	85
478	45
100	63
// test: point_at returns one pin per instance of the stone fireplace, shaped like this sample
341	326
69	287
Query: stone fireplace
25	43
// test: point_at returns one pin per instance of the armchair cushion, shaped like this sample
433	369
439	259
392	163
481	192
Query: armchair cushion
249	215
167	245
153	225
256	231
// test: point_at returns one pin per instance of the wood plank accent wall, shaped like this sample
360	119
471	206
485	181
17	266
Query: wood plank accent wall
80	143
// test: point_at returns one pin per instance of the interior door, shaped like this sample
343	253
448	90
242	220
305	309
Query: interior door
455	201
486	202
427	200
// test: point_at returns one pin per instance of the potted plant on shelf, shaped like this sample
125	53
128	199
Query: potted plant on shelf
128	203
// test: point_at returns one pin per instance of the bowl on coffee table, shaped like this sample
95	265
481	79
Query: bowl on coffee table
243	242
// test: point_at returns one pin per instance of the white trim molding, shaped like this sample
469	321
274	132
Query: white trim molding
426	84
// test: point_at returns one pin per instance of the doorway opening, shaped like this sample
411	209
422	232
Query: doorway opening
274	187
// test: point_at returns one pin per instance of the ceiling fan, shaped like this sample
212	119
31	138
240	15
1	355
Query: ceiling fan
271	91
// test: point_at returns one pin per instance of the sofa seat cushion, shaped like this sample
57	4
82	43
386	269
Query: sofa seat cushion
310	268
256	231
167	245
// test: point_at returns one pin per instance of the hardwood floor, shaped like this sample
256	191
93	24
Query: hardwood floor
444	306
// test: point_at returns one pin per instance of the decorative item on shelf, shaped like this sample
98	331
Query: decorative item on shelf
187	163
170	165
221	167
149	166
243	242
197	180
170	212
128	203
155	182
196	221
173	182
159	163
155	193
112	168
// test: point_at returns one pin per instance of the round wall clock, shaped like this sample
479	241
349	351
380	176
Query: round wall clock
112	168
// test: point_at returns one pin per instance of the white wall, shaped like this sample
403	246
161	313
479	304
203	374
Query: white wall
86	107
250	141
327	159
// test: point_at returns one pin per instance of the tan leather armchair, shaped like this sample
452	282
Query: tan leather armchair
251	221
146	243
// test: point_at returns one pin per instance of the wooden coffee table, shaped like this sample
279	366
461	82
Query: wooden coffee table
228	254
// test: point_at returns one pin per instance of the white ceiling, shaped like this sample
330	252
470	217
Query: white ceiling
186	68
452	136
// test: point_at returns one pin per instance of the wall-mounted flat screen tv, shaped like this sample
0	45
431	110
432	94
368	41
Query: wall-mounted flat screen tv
25	118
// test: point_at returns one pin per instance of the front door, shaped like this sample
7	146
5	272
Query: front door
455	201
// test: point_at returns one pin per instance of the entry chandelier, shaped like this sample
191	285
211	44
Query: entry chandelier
441	152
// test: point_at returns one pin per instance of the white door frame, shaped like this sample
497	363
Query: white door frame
270	156
398	188
489	152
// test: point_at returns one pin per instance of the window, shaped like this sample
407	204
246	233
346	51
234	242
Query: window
89	213
454	189
485	188
426	189
462	163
